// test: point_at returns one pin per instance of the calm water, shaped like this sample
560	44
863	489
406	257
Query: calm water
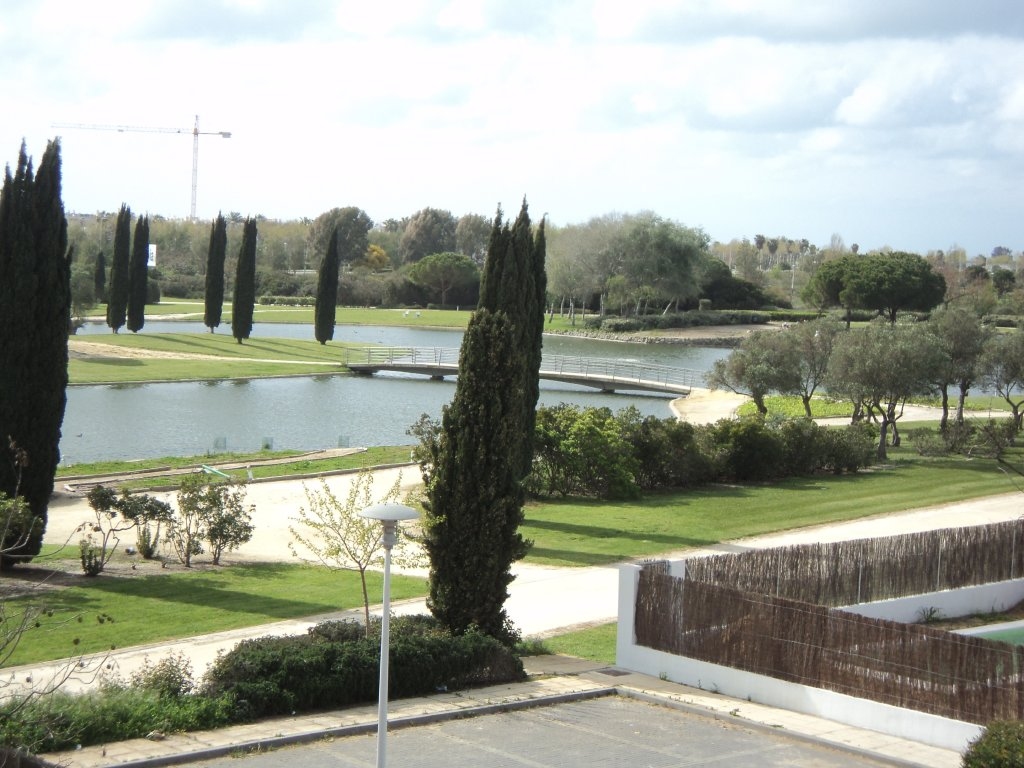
309	413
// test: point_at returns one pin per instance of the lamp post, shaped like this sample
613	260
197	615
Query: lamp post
389	514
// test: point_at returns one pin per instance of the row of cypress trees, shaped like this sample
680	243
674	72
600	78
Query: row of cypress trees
244	297
35	312
129	273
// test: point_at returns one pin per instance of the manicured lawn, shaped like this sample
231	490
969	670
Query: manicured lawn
578	533
371	457
594	643
104	612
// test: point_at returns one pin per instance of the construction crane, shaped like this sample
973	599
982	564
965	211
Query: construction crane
196	133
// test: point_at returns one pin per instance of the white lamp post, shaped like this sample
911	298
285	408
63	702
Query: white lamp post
389	513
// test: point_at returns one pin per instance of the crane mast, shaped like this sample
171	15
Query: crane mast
196	133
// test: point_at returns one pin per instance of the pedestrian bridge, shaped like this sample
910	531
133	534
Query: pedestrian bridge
605	374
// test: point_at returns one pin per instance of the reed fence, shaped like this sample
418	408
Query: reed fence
906	665
867	570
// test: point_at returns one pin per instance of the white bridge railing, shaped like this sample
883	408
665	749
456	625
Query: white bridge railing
604	371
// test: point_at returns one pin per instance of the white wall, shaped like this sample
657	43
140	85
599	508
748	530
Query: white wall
905	723
948	604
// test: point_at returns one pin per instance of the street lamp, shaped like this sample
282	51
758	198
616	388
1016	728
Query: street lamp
389	513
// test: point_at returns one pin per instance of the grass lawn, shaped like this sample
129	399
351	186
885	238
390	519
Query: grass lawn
97	614
580	533
594	643
371	457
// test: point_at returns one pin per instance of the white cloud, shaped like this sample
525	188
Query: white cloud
859	117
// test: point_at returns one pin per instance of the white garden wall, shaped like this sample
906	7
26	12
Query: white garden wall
883	718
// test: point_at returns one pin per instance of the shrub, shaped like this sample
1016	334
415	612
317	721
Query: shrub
848	449
1000	746
742	450
280	675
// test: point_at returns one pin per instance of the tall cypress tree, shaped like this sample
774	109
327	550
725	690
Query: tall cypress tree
327	292
481	453
214	296
244	300
138	276
35	311
99	277
120	270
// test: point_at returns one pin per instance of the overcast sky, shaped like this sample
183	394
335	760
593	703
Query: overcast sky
886	122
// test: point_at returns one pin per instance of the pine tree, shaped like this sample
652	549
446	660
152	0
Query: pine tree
327	292
214	296
35	311
244	301
482	452
99	277
138	271
120	270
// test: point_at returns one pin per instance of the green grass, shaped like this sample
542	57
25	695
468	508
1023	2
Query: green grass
793	408
582	533
594	643
103	612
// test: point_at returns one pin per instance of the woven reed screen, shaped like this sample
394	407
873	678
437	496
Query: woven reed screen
906	665
866	570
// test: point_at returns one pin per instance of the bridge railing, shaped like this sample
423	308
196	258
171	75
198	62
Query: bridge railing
406	355
604	369
622	371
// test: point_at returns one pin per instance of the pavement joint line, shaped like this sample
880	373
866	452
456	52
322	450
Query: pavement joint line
700	710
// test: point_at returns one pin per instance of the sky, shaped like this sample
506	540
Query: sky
891	123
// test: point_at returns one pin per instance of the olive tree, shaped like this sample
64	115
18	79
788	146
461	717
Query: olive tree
880	366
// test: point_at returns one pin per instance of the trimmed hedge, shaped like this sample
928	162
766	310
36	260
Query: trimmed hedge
281	675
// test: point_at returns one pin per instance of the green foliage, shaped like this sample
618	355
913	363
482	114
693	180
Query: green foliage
120	271
213	297
332	667
581	452
327	292
444	273
114	514
691	319
1000	746
589	452
35	314
475	464
138	276
743	450
244	299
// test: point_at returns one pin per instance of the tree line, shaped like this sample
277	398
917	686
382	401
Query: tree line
879	366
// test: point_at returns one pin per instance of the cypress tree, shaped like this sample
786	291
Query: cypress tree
244	300
138	271
327	292
214	296
481	453
99	277
35	312
120	270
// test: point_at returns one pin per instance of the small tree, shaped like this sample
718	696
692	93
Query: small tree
115	514
765	362
187	529
338	537
228	520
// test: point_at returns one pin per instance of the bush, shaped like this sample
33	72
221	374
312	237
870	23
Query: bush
743	450
1000	746
280	675
848	449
